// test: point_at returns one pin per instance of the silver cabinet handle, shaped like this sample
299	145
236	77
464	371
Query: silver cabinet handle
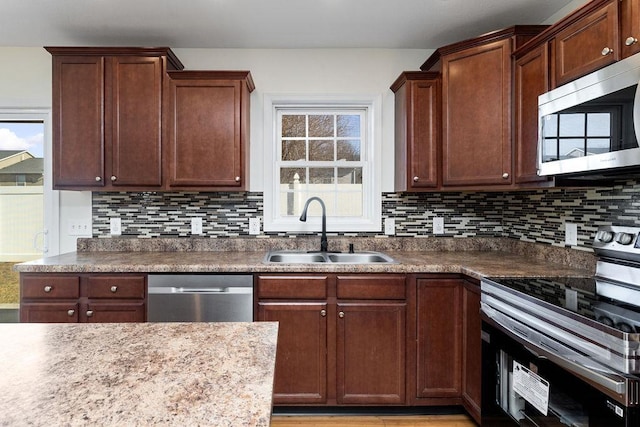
71	312
98	179
606	51
48	288
89	313
114	289
323	313
113	178
630	41
341	314
237	179
416	179
505	175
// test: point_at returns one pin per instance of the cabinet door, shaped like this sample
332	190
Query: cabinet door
49	312
476	97
439	338
301	362
472	348
589	44
531	81
205	141
630	27
370	365
78	114
113	312
134	84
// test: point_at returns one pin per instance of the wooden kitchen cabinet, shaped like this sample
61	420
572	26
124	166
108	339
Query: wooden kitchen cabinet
107	117
417	131
208	130
630	27
54	298
589	43
342	338
439	337
471	349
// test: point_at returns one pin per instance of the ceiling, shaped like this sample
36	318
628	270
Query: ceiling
413	24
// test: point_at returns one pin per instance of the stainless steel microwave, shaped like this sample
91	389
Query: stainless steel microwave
589	128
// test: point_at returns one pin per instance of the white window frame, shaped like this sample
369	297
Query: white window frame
371	221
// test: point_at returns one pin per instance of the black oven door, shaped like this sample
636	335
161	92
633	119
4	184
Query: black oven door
554	397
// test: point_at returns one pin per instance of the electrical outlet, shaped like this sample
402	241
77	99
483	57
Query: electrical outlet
438	225
254	226
196	226
570	234
116	226
390	226
78	227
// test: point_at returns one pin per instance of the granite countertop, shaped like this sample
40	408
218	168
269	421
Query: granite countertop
218	374
472	263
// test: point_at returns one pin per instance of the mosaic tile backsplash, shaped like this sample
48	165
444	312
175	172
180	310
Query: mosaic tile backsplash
533	216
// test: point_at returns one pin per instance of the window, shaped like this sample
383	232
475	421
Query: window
328	151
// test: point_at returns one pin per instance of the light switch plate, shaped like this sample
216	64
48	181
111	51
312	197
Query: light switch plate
438	225
196	226
78	227
390	226
115	226
570	234
254	226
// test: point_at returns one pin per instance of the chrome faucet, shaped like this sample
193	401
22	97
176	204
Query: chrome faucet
303	217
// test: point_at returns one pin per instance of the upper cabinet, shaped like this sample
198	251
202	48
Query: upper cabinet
208	128
630	27
107	116
131	119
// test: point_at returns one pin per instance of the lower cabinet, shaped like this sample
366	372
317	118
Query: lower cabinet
472	348
70	298
342	338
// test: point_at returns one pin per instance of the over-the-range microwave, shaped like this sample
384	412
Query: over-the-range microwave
589	128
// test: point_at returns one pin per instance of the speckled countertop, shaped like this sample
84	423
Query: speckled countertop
216	374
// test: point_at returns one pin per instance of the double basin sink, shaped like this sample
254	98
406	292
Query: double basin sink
297	257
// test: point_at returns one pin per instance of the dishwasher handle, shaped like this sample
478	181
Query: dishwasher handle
157	290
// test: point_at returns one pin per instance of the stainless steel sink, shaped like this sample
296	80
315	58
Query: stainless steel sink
296	257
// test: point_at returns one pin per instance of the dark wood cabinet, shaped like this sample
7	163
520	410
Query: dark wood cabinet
107	117
55	298
531	80
208	129
417	131
630	27
586	45
342	338
471	349
439	337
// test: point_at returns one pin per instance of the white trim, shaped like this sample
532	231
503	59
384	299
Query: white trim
373	105
51	198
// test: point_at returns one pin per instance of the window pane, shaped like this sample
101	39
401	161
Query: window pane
349	150
550	150
321	151
349	176
293	176
598	146
293	150
321	176
293	126
321	126
599	124
550	125
349	204
292	202
570	148
349	125
572	125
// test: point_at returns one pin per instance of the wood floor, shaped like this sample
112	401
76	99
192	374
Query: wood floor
373	421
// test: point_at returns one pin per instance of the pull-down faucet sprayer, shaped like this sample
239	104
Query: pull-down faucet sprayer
303	217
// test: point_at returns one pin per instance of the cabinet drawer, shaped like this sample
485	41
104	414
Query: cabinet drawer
305	287
49	312
50	286
116	287
371	287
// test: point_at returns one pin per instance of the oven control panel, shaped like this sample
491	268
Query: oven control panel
618	241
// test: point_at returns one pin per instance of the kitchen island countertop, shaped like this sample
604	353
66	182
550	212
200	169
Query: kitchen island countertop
218	374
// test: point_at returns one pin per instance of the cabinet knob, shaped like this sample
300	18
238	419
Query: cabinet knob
237	179
505	175
114	289
323	313
606	51
416	179
48	288
113	178
71	312
341	314
630	41
98	179
89	313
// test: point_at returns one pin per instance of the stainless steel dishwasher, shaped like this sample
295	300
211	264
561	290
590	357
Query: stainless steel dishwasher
200	298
